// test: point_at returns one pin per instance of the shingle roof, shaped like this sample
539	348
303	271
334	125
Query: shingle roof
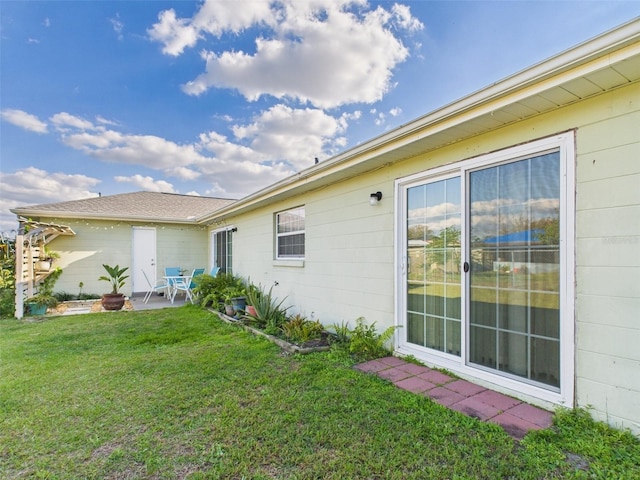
166	207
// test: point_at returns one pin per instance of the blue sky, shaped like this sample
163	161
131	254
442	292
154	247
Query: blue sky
224	97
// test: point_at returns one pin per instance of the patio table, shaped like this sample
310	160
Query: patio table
172	280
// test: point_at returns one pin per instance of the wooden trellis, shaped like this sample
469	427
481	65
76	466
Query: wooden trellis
30	241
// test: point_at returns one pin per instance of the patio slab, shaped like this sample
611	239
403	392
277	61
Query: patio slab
444	396
465	388
514	426
394	374
516	417
414	384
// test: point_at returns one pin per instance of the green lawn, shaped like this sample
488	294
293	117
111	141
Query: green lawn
176	393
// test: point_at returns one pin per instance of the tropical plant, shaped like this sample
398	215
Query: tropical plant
341	333
210	290
233	291
367	343
45	296
299	329
270	314
48	255
116	276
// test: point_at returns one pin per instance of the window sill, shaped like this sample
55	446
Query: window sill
294	262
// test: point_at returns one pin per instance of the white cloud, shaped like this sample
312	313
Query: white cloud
62	121
24	120
33	186
404	18
148	150
213	17
435	211
46	22
275	143
100	119
394	112
117	25
317	52
293	135
147	183
176	34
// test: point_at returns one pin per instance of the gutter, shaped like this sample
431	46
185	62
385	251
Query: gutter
592	55
101	216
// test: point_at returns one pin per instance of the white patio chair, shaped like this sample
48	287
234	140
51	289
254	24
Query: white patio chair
171	275
159	285
186	284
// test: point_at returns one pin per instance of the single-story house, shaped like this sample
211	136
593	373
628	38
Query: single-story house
412	229
145	231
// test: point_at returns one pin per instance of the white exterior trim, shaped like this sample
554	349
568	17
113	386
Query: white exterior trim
565	142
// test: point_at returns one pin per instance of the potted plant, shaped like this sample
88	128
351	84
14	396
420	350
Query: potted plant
228	307
234	299
45	260
38	304
253	296
116	276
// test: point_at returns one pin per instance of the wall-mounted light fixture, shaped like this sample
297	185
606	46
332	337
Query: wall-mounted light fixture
375	198
234	230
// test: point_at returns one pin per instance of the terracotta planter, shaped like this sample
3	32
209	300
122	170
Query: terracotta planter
251	310
228	309
112	301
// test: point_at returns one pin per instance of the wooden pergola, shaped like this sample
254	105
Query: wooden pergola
30	242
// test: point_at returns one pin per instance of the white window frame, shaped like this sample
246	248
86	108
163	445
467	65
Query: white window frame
278	236
229	255
565	143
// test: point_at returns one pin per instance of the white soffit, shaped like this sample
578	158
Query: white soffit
607	62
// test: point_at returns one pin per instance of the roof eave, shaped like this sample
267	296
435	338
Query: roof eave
96	216
610	47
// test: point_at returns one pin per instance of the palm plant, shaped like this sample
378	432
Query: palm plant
116	277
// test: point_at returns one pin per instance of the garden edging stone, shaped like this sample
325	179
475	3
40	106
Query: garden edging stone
286	346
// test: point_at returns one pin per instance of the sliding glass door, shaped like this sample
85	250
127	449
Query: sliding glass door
514	278
433	253
486	279
222	250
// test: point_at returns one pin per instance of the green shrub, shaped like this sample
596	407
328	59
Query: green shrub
363	342
45	294
299	329
7	286
211	290
366	343
7	302
88	296
64	296
341	333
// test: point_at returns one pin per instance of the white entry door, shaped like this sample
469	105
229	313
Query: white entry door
144	258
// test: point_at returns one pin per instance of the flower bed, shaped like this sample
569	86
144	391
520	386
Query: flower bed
316	345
